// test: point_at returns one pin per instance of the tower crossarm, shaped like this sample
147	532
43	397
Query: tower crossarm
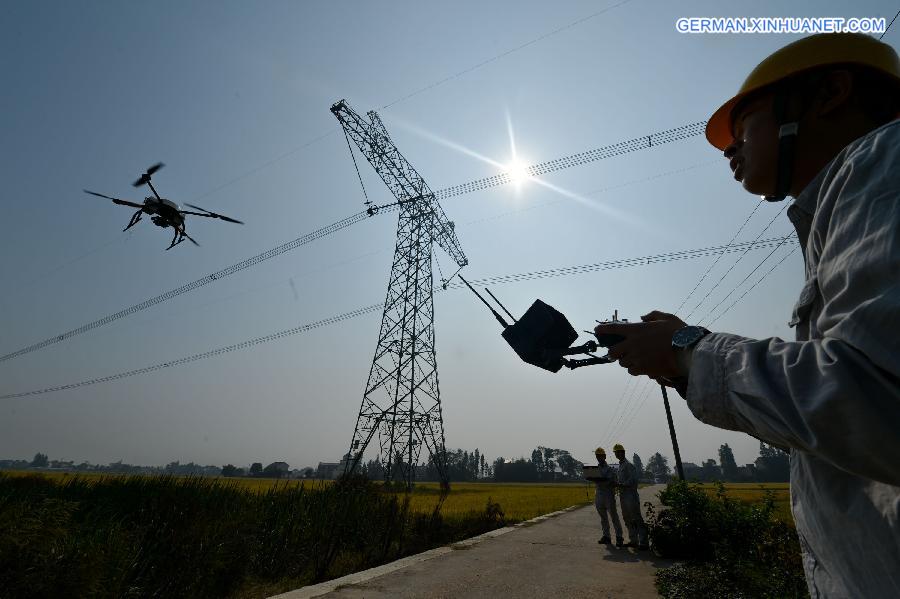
405	183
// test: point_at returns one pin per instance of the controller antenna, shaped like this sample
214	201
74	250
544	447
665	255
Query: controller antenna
499	318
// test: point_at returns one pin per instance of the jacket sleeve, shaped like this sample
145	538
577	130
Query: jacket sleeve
836	396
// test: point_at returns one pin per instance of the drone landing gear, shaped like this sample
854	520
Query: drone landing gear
134	219
180	235
175	240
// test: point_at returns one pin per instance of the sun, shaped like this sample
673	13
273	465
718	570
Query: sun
517	171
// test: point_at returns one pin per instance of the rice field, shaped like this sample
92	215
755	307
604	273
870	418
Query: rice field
756	492
519	501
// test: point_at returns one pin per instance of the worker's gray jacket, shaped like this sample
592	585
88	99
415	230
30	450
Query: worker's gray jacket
626	477
833	395
608	474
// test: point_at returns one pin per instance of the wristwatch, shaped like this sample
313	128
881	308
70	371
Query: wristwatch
687	337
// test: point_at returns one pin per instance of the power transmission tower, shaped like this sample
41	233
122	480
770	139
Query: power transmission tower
402	401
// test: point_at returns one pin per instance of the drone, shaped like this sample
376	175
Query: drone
164	213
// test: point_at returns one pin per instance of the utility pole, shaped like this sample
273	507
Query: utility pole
678	467
401	403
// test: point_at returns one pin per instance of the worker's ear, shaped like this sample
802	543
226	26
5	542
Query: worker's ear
834	92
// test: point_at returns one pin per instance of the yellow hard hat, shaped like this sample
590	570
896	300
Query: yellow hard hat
600	451
618	447
808	53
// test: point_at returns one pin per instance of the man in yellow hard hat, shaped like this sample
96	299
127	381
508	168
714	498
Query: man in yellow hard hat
627	479
605	498
816	120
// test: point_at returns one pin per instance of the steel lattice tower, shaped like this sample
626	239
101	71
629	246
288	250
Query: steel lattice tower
402	400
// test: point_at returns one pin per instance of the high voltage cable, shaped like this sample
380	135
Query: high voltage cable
608	433
886	29
638	406
220	274
637	409
593	192
329	321
638	143
719	257
503	54
633	410
643	400
208	354
736	262
616	414
744	280
631	398
549	166
786	256
629	262
603	437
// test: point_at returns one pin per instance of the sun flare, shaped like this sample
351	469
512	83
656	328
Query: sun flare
518	171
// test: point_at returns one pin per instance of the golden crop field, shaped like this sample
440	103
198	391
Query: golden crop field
755	492
519	501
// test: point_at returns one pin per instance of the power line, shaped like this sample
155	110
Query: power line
595	191
549	166
719	257
638	405
608	435
643	142
603	437
649	383
256	169
325	322
736	262
208	354
502	55
220	274
735	288
889	25
728	309
630	262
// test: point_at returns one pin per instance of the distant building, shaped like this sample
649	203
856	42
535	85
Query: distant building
332	471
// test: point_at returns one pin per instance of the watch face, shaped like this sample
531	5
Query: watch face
687	336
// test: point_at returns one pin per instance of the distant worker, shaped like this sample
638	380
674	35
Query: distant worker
605	498
627	482
816	120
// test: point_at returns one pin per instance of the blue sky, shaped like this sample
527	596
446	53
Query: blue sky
229	95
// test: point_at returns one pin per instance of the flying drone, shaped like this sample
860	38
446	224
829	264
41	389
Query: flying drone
164	213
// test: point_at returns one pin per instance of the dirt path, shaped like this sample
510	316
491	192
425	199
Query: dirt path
554	557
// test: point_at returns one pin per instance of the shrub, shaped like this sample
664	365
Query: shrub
734	549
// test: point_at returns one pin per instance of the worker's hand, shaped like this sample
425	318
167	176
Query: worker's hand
647	347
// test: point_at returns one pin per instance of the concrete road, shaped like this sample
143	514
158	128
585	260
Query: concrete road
554	557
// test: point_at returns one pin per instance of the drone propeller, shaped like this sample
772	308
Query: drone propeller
146	176
115	200
215	215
